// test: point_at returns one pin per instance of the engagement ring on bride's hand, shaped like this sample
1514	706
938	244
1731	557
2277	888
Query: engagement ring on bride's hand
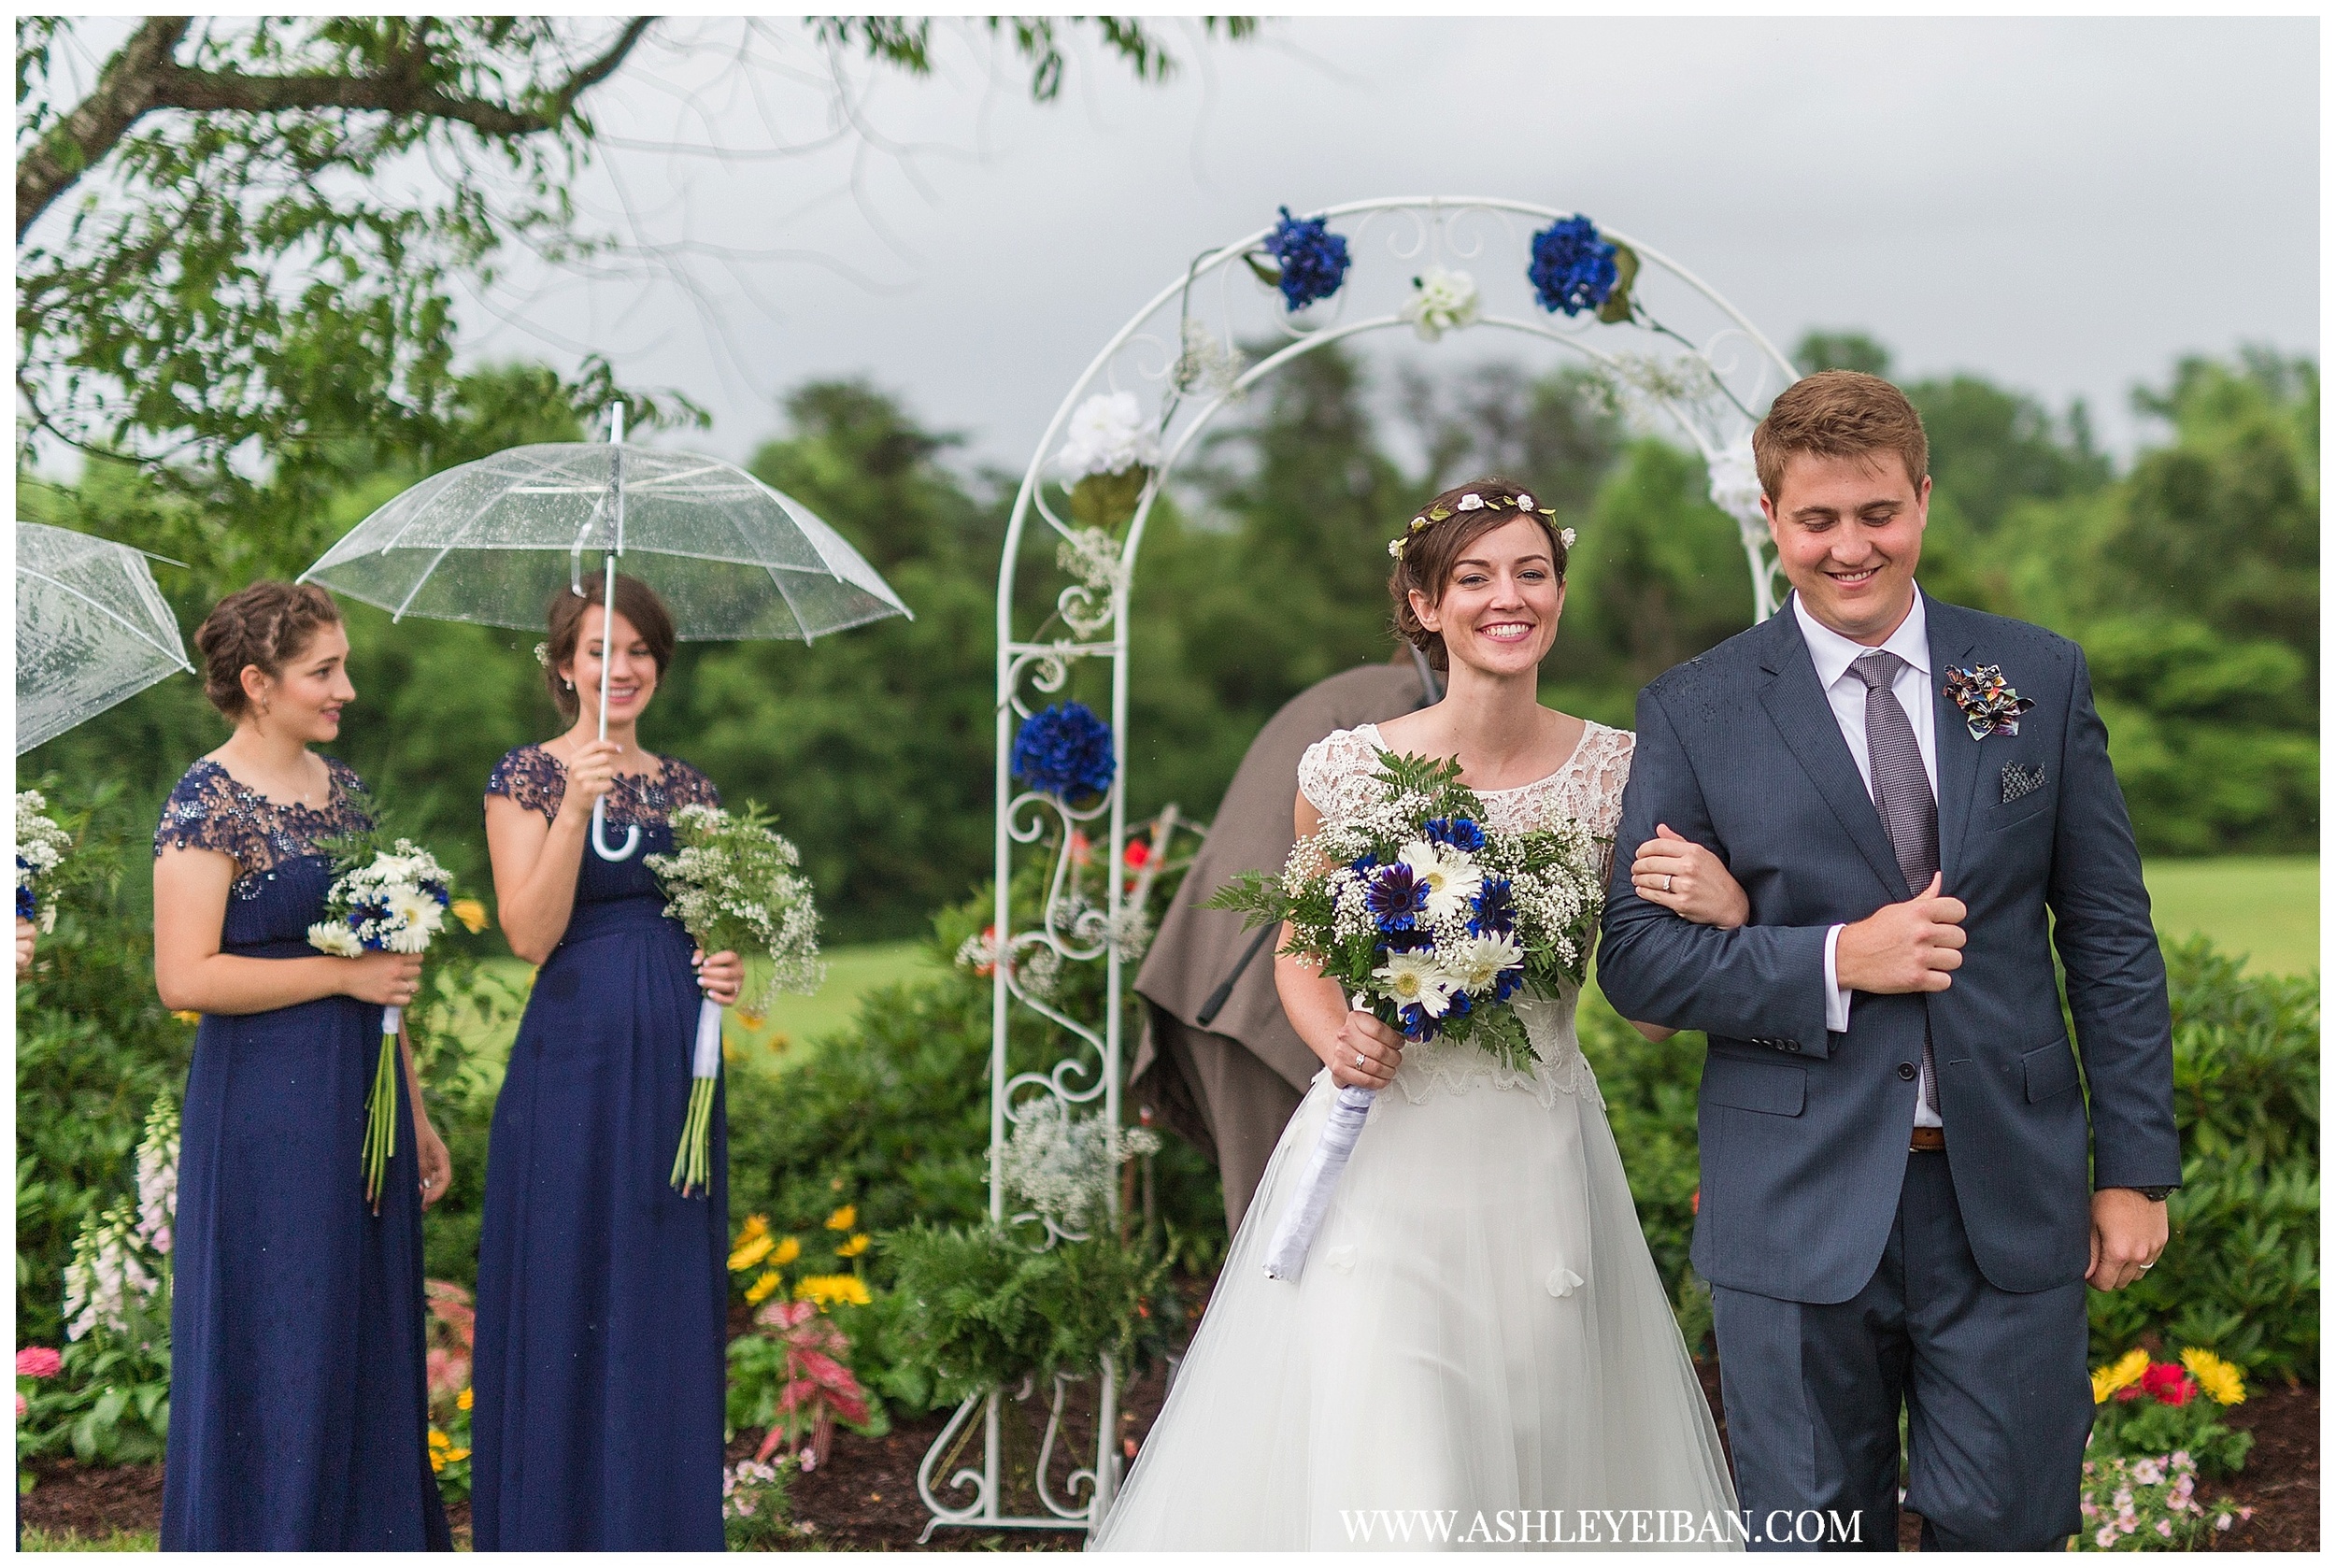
1359	1059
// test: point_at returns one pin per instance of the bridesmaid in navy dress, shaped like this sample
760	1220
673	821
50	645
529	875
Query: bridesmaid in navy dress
298	1412
601	1292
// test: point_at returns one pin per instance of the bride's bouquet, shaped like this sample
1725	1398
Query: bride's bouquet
732	882
388	897
1431	920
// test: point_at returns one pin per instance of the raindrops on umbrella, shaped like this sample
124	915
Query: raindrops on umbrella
91	630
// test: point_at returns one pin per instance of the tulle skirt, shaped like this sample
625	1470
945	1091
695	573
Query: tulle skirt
1478	1350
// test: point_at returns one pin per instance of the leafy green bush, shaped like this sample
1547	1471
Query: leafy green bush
94	1046
979	1309
2240	1275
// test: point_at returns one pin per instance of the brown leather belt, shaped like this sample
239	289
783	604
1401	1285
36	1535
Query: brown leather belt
1928	1140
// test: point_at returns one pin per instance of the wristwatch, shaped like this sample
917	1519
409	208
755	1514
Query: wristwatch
2155	1194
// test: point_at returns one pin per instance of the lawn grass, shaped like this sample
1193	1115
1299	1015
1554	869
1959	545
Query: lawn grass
795	1023
2266	907
38	1540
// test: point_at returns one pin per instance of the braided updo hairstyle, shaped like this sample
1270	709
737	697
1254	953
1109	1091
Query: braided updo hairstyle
267	624
1425	563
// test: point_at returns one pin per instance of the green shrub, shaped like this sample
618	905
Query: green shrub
2240	1274
94	1046
978	1308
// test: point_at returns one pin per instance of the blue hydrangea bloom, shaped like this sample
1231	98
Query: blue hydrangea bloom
1313	260
1572	269
1064	751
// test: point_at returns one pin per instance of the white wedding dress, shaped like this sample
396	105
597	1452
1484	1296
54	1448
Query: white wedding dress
1478	1331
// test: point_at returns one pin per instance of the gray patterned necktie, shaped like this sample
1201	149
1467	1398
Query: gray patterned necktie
1901	794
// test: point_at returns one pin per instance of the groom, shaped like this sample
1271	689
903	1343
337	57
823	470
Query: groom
1896	1205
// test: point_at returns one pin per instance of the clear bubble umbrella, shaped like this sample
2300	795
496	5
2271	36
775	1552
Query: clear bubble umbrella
492	541
91	630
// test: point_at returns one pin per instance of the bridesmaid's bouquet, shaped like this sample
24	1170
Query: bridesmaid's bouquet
732	882
389	896
1431	920
40	848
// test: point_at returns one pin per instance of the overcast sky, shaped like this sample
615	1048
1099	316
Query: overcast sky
2063	206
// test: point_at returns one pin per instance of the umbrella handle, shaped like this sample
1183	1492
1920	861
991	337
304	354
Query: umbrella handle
599	835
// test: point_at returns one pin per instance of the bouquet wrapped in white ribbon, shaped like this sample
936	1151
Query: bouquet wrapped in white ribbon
732	882
1431	920
394	899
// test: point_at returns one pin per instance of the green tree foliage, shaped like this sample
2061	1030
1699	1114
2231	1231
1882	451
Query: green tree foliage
2193	583
254	293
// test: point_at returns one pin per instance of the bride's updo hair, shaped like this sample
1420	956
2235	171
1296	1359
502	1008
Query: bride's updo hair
564	618
1424	564
267	624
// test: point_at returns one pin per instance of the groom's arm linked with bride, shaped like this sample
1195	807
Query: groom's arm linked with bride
1898	1205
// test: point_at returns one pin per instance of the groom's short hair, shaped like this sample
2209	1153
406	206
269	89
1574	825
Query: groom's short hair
1839	413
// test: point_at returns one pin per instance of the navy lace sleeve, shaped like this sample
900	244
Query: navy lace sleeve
209	810
531	777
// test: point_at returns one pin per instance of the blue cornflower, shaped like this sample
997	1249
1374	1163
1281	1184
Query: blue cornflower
27	907
1416	1024
1064	751
1496	907
1364	865
1573	270
1313	260
1396	897
1507	983
1461	832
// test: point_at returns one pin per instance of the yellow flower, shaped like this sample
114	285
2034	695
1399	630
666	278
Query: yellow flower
462	1400
188	1017
2124	1370
438	1462
472	913
786	1253
439	1440
456	1455
2217	1377
853	1248
752	1245
761	1287
828	1289
844	1219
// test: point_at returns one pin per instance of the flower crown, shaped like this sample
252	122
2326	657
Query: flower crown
1472	502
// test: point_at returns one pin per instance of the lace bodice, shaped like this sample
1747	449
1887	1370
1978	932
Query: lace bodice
533	777
1335	774
209	809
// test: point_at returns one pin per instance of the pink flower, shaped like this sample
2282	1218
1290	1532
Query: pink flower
37	1361
2105	1537
19	1407
2165	1528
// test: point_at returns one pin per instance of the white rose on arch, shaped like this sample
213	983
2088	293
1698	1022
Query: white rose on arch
1440	302
1735	482
1107	434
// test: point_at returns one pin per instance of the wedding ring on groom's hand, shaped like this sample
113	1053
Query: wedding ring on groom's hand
1666	881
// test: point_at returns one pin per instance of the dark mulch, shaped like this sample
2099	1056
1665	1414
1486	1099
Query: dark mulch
93	1503
864	1498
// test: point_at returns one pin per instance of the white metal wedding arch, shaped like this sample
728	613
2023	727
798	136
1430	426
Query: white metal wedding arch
1665	344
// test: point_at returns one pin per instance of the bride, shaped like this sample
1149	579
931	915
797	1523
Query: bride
1478	1350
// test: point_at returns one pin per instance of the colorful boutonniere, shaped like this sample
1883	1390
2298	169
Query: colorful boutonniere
1991	708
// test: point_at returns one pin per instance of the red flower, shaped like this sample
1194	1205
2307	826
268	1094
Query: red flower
1081	850
37	1361
2129	1393
2168	1384
1139	854
1695	1201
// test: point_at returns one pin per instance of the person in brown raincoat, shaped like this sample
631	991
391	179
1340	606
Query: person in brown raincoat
1217	1061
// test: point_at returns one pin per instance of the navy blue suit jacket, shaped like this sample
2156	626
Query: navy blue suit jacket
1803	1132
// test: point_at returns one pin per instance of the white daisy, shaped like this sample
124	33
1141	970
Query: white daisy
1476	961
1451	878
334	937
1413	978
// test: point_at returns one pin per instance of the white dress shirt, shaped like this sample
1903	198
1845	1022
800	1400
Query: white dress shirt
1832	654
